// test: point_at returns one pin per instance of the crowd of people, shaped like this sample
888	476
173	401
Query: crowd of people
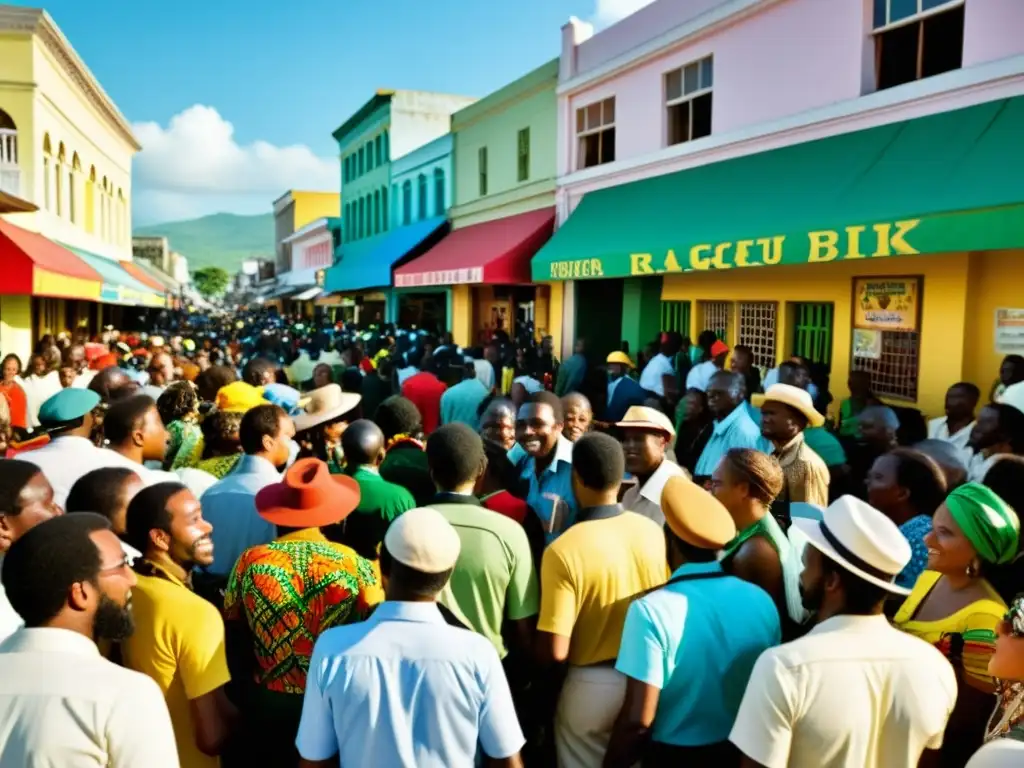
282	542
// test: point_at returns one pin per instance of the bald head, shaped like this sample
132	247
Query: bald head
112	384
363	443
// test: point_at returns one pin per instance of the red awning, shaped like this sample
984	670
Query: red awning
496	251
34	265
142	276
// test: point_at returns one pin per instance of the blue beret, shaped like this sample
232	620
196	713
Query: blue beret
68	405
284	396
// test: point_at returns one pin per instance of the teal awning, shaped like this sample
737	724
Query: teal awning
118	286
367	263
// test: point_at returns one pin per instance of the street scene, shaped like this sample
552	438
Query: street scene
660	403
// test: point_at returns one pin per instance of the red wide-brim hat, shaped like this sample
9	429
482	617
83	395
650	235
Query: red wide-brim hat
308	496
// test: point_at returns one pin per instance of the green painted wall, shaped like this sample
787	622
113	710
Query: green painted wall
641	312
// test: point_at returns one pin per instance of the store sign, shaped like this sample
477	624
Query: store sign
1009	331
440	277
857	241
886	303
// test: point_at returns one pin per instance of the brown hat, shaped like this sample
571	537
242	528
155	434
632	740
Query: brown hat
695	516
308	496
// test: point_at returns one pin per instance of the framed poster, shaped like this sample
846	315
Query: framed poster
867	343
886	303
1009	331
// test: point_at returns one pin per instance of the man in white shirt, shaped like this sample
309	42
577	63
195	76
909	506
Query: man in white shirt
955	427
61	702
855	691
646	434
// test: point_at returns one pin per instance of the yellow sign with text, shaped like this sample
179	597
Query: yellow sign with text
886	303
857	241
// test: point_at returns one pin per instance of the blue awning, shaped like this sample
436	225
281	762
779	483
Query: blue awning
367	263
118	286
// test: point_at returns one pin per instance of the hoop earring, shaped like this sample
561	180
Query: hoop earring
971	571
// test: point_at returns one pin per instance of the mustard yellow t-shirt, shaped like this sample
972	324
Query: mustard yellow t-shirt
179	642
588	577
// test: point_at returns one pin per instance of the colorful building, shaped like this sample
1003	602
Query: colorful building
391	125
298	211
66	149
502	212
839	198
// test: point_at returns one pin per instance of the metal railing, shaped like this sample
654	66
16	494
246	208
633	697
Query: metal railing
10	173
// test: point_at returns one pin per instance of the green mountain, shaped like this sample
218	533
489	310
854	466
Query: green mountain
223	239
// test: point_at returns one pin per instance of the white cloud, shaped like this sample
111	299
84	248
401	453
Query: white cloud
194	166
607	12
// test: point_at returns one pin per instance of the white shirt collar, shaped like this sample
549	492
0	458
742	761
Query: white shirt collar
563	451
655	484
852	623
50	640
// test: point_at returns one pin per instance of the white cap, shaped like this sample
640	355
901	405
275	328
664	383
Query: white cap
422	539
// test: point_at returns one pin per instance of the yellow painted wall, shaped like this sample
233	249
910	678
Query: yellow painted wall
310	206
553	326
16	326
462	315
944	307
996	281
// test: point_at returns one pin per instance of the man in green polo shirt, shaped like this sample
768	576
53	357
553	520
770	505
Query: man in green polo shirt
380	502
494	578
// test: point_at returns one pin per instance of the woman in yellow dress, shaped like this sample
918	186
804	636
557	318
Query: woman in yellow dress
954	607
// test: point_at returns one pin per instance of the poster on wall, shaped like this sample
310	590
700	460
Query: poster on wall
1009	331
886	304
867	343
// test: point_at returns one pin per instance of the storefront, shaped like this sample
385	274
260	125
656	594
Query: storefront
486	268
45	289
360	286
125	301
891	250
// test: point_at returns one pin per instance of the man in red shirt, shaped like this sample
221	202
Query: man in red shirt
424	389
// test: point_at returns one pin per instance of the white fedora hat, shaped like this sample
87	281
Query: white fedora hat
861	539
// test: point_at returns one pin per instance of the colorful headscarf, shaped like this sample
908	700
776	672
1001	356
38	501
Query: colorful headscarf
988	522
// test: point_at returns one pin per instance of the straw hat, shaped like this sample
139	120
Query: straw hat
642	417
695	516
325	404
620	358
308	496
796	398
861	539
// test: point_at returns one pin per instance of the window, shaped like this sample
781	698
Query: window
47	163
361	216
376	212
688	101
335	242
595	134
757	330
369	156
406	203
481	165
715	316
421	197
523	154
369	213
439	192
385	147
344	170
915	39
362	160
812	332
377	149
58	182
675	316
894	373
384	223
346	221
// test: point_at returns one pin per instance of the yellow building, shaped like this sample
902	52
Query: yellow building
66	148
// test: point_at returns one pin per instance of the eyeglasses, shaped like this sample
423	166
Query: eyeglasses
122	566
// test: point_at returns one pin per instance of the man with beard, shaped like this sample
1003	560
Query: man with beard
179	637
59	697
855	690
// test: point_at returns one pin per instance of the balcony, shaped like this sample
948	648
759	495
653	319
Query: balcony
10	173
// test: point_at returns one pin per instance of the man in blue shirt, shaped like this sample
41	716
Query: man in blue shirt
404	687
689	647
229	505
733	426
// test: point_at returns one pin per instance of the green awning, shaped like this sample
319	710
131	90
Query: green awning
939	184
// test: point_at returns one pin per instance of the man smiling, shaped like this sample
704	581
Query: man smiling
547	466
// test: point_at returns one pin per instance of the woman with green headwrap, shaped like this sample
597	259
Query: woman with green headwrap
954	607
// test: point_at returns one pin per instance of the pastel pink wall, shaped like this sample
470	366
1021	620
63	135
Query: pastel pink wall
993	29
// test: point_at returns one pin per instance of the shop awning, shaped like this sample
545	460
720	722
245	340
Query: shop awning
368	263
143	277
33	265
497	251
309	293
938	184
155	275
119	287
11	204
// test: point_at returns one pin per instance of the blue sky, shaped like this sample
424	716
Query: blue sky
235	100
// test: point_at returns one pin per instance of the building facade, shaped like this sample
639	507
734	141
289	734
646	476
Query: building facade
299	211
502	212
66	148
688	154
392	124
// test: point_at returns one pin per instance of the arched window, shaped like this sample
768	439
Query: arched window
90	201
421	197
361	225
74	209
105	209
10	173
122	218
406	203
385	223
58	178
376	212
439	201
47	165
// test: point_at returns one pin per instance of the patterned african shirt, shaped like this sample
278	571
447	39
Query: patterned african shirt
292	590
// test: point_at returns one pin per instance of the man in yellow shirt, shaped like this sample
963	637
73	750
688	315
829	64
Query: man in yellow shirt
588	576
179	636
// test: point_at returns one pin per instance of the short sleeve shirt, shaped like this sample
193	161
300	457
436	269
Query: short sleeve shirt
179	642
588	576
